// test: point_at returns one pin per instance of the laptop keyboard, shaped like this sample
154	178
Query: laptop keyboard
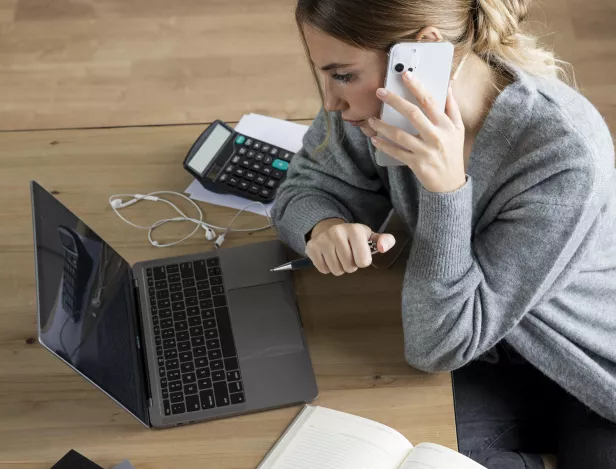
197	361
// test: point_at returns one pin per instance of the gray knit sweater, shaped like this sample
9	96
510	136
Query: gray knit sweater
524	252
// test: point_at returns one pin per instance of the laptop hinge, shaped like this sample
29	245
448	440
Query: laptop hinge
140	344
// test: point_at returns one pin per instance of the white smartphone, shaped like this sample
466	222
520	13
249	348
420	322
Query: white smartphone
430	63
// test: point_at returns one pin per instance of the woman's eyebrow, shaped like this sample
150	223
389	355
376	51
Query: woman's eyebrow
334	65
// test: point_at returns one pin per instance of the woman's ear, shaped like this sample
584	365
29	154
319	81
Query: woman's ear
429	34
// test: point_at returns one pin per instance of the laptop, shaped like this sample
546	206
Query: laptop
175	340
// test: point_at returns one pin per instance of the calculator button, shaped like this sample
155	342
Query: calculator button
285	156
229	168
265	148
239	172
253	189
243	185
233	181
272	183
260	179
267	170
240	139
235	159
250	176
276	174
265	193
280	165
223	177
268	160
248	142
256	166
246	163
242	151
256	145
259	157
250	154
274	151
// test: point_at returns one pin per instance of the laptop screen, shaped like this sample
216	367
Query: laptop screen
84	302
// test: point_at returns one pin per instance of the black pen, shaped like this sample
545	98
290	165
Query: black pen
307	262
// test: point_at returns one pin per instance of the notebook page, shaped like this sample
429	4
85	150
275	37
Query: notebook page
433	456
329	439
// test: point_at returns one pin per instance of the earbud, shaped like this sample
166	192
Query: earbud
210	234
118	203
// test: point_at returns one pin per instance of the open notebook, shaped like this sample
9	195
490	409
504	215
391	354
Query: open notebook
328	439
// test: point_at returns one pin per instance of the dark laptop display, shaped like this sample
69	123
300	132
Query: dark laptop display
85	305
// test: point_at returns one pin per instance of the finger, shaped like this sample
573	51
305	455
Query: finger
453	110
344	252
397	135
316	256
331	258
384	241
405	156
419	120
359	245
424	98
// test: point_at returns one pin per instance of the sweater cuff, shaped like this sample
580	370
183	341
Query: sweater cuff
442	240
305	214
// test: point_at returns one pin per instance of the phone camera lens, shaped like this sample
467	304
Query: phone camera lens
411	69
399	68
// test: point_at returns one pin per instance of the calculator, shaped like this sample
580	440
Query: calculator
225	161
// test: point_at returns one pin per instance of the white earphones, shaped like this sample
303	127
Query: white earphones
117	204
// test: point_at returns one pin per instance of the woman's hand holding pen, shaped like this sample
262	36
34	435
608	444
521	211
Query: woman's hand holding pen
338	247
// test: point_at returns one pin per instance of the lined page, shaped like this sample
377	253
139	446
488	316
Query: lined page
433	456
329	439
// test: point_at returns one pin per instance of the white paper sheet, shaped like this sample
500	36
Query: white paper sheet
278	132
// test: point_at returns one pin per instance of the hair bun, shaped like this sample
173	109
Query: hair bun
518	8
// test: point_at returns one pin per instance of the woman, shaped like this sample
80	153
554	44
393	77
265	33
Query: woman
509	197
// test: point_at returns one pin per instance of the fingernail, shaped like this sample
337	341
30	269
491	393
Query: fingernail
386	245
407	75
371	120
381	92
375	142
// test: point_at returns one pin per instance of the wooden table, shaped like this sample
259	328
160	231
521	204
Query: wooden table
352	322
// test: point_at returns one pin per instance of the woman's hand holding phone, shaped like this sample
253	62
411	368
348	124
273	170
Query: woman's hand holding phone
338	247
436	155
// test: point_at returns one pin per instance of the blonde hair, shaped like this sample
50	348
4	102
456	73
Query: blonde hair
489	28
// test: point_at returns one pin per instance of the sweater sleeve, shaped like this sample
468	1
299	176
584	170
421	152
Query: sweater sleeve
465	290
338	181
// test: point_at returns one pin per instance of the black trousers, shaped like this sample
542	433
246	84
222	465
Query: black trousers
509	413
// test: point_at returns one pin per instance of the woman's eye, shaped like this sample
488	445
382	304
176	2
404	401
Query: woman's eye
343	78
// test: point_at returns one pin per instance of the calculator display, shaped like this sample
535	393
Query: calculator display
208	150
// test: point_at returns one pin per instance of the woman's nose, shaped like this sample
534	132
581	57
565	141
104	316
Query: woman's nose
332	102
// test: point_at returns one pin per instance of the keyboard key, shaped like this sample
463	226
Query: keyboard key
168	333
215	355
171	353
155	321
237	398
204	295
173	269
176	296
243	185
175	287
188	282
254	189
265	148
207	399
189	378
233	376
151	291
192	311
203	285
236	386
173	278
166	407
163	382
186	357
216	365
199	352
272	183
250	176
233	181
159	273
207	313
149	272
212	262
165	393
261	179
187	367
212	344
181	326
192	301
160	284
259	157
173	375
231	364
194	321
199	268
179	316
178	408
267	170
277	174
204	383
203	373
176	385
211	334
197	341
177	397
214	271
172	364
192	403
190	389
220	300
163	304
216	281
181	336
179	306
226	334
274	151
168	343
209	323
186	270
166	323
164	313
218	375
161	361
156	330
188	292
196	331
239	172
218	290
220	394
201	362
268	160
159	348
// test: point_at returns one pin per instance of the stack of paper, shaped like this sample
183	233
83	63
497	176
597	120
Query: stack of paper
278	132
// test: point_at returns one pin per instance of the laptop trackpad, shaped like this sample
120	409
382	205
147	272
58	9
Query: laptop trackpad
264	321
